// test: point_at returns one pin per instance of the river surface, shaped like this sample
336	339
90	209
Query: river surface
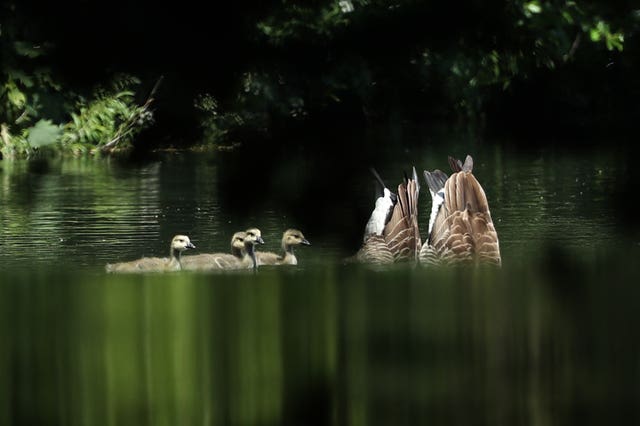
551	338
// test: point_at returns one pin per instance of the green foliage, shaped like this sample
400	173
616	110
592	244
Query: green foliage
13	100
294	20
373	50
602	32
109	120
23	83
13	146
219	126
43	133
23	48
373	59
214	128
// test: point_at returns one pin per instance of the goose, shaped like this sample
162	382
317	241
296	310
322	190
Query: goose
460	225
208	261
179	243
391	234
290	239
242	254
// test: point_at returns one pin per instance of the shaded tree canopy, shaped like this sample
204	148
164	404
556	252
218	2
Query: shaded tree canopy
246	69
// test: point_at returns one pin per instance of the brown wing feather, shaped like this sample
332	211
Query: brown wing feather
413	190
486	240
400	239
463	230
459	245
465	192
396	233
401	232
375	250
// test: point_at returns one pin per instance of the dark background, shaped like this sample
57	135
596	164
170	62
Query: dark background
205	47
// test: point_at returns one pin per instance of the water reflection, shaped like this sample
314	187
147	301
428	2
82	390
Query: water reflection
61	211
332	345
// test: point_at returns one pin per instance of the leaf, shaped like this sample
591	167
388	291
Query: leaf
533	7
24	48
16	97
44	132
567	17
20	76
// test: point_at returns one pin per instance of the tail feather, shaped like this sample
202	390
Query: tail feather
413	188
463	191
468	164
435	180
457	165
402	233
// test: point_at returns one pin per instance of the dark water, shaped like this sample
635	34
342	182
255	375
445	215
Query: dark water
551	338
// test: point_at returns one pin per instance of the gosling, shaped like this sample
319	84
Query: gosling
290	239
210	261
242	254
252	238
179	243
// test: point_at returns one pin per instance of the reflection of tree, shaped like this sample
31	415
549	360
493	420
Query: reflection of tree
64	209
324	345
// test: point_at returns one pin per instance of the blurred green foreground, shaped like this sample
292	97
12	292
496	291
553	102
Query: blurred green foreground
554	343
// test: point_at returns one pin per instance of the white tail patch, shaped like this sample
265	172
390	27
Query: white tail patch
378	218
437	199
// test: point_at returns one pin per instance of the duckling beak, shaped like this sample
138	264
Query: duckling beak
260	240
305	242
190	245
394	197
